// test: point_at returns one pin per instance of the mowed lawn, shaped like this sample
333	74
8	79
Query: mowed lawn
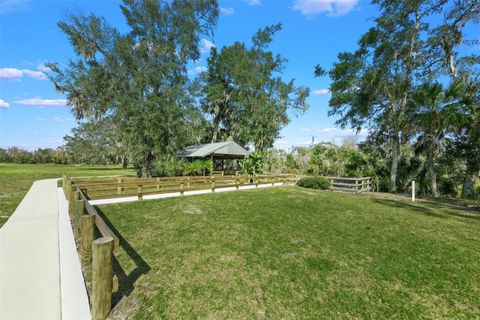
292	253
16	179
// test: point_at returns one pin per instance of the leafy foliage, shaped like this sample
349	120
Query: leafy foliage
244	93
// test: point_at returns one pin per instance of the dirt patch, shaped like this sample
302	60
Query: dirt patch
192	209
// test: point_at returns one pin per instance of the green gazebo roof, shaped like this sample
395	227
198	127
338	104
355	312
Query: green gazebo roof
227	149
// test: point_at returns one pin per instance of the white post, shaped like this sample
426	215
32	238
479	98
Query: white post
413	190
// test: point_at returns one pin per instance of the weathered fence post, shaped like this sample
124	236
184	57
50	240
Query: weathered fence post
213	183
158	183
87	223
139	191
102	250
256	182
413	191
181	189
119	188
236	182
79	210
64	183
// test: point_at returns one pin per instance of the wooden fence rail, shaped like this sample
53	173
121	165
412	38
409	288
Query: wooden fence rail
119	187
353	185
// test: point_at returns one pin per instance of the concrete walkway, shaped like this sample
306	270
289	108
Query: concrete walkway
31	259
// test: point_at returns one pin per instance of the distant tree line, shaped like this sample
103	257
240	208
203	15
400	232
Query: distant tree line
47	155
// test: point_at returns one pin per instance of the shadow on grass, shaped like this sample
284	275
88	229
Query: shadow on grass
439	211
126	281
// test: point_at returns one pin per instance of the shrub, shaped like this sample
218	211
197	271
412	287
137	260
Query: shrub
314	183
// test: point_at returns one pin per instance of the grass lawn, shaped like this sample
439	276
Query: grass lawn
285	253
16	179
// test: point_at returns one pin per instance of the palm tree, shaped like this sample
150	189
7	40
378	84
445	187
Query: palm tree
435	111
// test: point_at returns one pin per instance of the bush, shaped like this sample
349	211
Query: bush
314	183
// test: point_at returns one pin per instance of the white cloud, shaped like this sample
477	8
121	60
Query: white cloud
253	2
62	119
306	129
343	133
318	92
198	70
206	45
4	104
227	11
17	74
331	7
42	67
43	102
282	142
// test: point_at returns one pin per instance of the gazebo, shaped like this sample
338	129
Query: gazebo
218	152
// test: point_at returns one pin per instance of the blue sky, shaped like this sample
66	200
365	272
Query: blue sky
33	115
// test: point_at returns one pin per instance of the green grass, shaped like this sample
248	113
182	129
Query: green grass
16	179
285	253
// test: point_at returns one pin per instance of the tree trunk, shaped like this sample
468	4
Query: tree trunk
469	183
432	173
124	162
147	166
394	165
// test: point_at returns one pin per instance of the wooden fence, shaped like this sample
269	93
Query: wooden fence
352	185
127	186
98	252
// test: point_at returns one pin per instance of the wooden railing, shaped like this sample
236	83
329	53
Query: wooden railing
353	185
126	186
96	253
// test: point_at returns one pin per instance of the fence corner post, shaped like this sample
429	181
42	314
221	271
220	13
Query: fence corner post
102	278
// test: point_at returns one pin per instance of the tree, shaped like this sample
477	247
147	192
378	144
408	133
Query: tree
436	111
244	93
138	78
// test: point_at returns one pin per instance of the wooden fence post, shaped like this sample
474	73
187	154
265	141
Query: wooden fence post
139	191
181	189
213	184
158	183
79	210
86	233
102	278
64	183
236	183
119	188
256	182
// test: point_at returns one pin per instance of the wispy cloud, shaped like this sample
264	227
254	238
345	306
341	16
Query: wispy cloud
336	132
62	119
17	74
332	8
319	92
227	11
43	102
282	142
198	70
4	104
253	2
42	67
8	6
206	45
306	129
